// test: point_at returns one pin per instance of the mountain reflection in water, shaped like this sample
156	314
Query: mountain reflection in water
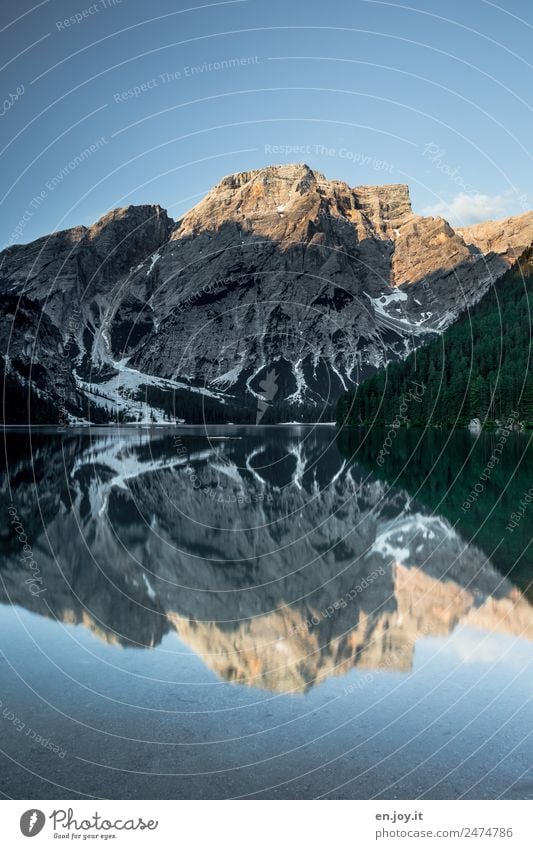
270	552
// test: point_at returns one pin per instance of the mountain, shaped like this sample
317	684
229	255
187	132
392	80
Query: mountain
478	370
268	594
276	293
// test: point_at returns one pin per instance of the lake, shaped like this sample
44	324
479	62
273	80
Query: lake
266	612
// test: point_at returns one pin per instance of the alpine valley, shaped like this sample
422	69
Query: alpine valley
279	291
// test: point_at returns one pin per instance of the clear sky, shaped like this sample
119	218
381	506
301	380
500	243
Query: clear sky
154	102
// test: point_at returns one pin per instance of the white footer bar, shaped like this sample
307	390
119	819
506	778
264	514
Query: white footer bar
268	824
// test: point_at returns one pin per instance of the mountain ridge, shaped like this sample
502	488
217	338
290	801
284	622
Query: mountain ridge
275	269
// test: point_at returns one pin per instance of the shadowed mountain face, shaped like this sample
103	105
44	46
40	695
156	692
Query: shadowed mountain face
270	555
278	275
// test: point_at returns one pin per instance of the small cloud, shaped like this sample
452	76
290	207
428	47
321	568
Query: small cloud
467	209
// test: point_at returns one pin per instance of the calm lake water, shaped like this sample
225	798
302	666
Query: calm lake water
278	612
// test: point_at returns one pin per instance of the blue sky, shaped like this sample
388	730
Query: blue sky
135	102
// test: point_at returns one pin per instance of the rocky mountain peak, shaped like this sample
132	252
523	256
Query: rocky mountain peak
261	201
130	216
129	232
298	174
285	203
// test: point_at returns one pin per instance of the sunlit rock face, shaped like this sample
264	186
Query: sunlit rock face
507	237
277	270
271	557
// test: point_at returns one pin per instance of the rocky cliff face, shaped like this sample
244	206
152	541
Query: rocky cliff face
278	278
508	237
38	380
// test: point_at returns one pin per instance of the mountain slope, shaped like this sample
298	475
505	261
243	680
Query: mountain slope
478	369
279	278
